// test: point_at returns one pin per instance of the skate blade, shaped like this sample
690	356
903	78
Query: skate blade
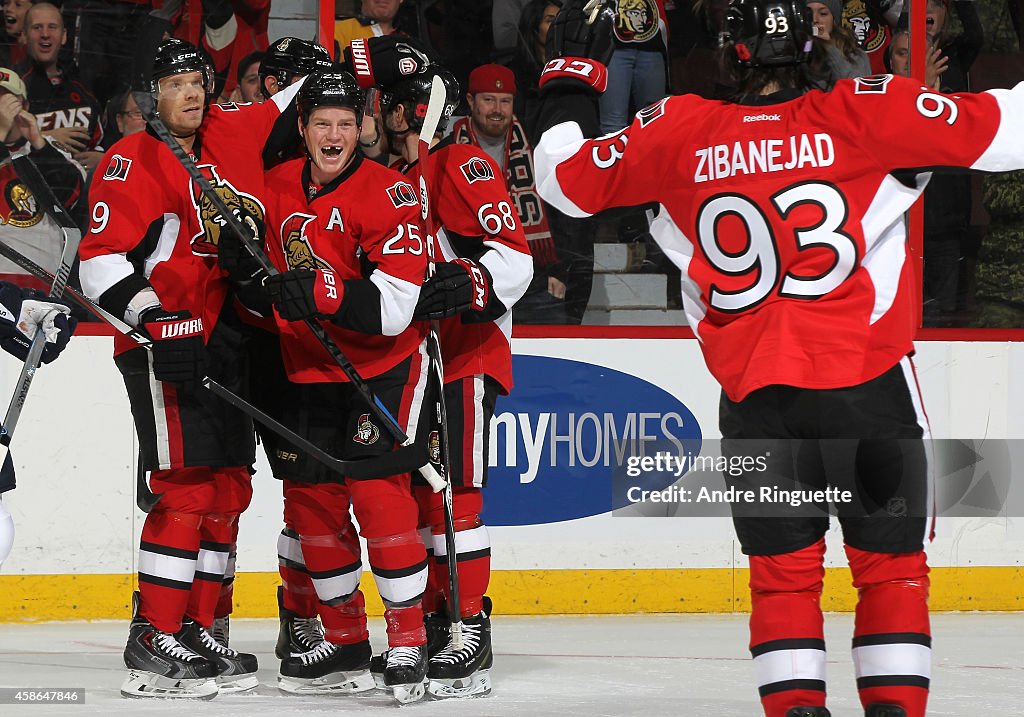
347	683
476	685
237	684
407	694
148	685
378	681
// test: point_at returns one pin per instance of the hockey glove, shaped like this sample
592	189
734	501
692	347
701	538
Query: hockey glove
385	60
580	43
26	311
179	355
232	256
456	287
301	294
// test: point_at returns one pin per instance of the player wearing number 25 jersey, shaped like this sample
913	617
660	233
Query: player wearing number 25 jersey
784	212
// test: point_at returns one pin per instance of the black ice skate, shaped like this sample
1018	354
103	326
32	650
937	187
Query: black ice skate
808	712
327	669
236	671
405	672
296	635
160	666
877	710
464	672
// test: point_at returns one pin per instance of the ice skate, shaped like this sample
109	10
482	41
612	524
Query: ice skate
327	669
877	710
160	666
808	712
436	624
464	672
236	671
405	673
296	635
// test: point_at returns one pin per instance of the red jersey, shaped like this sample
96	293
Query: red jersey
151	227
476	220
785	219
363	226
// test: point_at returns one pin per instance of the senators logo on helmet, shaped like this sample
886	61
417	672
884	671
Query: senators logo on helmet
402	195
477	170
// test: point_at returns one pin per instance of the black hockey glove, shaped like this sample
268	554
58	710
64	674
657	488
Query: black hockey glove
385	60
232	256
26	311
580	43
301	294
179	354
456	287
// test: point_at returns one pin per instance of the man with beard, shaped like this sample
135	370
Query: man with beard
150	257
493	127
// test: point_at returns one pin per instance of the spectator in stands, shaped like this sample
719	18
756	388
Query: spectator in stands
838	56
24	224
12	42
529	59
493	126
248	77
638	70
124	117
376	17
506	23
898	59
66	109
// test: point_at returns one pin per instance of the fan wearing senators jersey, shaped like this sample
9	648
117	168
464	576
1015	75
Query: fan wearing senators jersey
783	209
150	256
345	233
484	267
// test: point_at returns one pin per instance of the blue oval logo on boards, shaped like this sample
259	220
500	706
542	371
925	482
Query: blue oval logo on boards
557	439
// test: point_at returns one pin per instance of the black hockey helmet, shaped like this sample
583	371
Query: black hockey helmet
175	57
413	93
769	32
290	57
330	89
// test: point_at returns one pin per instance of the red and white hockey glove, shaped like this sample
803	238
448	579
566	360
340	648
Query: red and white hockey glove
456	287
385	60
580	43
179	353
301	294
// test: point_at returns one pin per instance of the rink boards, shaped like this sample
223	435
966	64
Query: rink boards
579	407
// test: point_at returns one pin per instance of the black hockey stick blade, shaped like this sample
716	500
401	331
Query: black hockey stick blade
147	106
145	498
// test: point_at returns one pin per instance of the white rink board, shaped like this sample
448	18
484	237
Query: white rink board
75	452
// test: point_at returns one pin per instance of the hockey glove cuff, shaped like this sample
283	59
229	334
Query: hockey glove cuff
26	311
456	287
385	60
179	353
301	294
574	72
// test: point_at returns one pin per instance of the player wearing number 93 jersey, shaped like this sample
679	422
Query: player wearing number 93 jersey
783	209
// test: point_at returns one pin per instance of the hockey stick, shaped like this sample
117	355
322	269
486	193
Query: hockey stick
435	106
29	174
146	105
390	464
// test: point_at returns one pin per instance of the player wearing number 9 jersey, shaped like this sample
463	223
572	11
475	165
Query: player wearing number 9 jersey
783	209
345	234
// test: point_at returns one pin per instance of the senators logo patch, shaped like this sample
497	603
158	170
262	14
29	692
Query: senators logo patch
366	432
298	251
651	113
402	195
118	168
20	209
477	170
211	223
871	85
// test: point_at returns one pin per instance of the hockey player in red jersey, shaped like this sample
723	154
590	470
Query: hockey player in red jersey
345	233
783	210
484	268
150	256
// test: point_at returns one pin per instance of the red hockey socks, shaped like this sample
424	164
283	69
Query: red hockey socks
891	636
787	640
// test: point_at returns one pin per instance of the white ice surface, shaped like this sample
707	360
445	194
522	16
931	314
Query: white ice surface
544	666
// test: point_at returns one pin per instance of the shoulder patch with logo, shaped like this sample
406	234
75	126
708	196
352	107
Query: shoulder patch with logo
118	168
402	195
477	170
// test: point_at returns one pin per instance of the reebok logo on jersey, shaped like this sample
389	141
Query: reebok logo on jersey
118	168
762	118
402	195
181	329
477	170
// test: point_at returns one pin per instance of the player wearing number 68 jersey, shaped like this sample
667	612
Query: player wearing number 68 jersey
783	209
483	267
